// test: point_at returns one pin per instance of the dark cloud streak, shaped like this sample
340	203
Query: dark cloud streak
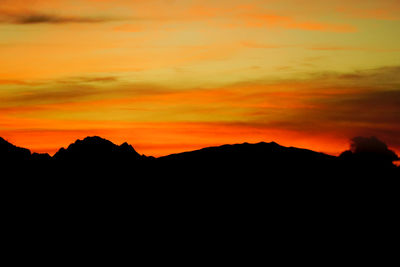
72	80
53	19
75	89
27	18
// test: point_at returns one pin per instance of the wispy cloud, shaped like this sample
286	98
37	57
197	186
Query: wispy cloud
365	102
72	90
260	45
72	80
24	18
268	19
350	48
388	13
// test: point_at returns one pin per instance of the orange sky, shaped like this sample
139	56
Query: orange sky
169	76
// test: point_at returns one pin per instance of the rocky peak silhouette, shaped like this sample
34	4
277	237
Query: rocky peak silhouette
96	148
9	152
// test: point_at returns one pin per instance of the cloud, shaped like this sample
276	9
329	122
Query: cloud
73	90
53	19
45	18
379	13
129	28
287	22
336	48
359	103
371	149
105	79
71	80
382	78
350	48
372	144
260	45
14	82
255	15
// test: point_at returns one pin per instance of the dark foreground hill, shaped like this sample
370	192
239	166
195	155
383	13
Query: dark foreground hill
97	157
10	153
261	160
264	191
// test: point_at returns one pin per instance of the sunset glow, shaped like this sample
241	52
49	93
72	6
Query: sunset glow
174	75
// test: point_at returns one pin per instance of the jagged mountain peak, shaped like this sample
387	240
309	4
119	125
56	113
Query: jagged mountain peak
95	148
10	152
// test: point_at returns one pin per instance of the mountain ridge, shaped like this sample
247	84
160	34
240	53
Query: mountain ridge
94	154
96	148
229	146
9	151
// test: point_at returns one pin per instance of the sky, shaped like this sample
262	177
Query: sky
171	76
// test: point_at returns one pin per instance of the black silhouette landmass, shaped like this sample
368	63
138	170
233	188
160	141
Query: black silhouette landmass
237	190
11	153
96	149
98	157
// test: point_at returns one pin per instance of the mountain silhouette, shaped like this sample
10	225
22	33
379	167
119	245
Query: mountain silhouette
11	153
253	183
261	160
248	152
38	157
98	157
97	149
